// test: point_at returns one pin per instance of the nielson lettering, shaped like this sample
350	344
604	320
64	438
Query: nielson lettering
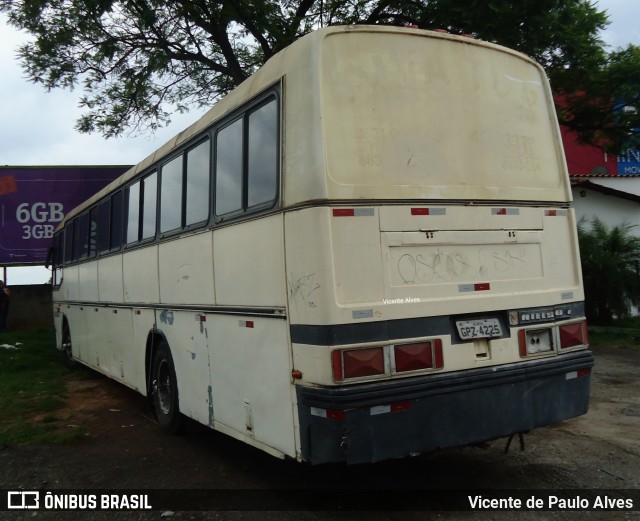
480	503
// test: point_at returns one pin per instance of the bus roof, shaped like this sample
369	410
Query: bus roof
302	59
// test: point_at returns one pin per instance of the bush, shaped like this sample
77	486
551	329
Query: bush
610	270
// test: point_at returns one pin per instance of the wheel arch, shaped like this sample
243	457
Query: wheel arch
154	339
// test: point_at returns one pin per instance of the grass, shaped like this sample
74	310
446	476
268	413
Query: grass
623	332
32	389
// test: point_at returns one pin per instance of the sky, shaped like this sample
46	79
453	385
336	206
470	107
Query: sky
37	127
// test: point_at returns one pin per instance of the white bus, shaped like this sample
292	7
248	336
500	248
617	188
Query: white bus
365	251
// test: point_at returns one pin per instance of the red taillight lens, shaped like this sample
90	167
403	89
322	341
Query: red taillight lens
437	349
411	357
358	363
572	335
363	362
336	364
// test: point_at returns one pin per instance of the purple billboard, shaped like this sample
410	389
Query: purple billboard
33	201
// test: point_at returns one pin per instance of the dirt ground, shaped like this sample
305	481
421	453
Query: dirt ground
124	449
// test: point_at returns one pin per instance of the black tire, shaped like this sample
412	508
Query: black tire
67	347
164	387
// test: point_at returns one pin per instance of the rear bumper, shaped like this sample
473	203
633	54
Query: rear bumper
439	411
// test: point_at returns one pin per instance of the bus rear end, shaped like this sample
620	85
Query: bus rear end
435	294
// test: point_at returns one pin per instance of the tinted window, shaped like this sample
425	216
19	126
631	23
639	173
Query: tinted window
263	154
229	168
104	223
115	240
81	237
58	258
68	242
171	195
198	179
149	206
93	232
133	212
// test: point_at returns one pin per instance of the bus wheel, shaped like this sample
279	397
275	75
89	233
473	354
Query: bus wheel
165	391
67	350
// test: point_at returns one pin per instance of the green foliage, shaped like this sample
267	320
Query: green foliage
32	385
610	270
137	61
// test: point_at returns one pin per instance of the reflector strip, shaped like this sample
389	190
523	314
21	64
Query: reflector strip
505	211
336	415
353	212
328	413
379	409
246	323
478	286
344	212
394	407
400	406
555	213
428	211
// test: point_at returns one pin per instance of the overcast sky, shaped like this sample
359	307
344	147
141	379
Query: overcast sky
37	127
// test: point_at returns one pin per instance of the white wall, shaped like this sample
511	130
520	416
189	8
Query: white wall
611	210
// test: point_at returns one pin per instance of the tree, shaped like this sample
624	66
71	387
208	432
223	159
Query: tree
137	60
610	270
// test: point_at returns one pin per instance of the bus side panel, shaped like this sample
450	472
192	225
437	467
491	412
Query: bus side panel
69	285
186	270
249	263
58	317
140	275
88	281
110	279
251	379
186	334
115	349
77	325
310	279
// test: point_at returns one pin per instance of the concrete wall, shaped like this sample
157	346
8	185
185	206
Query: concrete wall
30	307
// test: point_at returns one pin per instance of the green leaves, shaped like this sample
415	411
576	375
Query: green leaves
610	270
138	60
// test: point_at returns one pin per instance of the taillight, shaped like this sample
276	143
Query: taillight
423	355
354	363
385	360
363	362
572	335
535	341
411	357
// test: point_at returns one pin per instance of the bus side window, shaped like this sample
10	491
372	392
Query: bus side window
68	242
133	212
102	231
171	195
93	232
115	236
229	168
263	154
81	237
58	259
149	205
197	183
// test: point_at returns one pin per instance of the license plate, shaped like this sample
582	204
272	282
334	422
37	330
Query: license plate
482	328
